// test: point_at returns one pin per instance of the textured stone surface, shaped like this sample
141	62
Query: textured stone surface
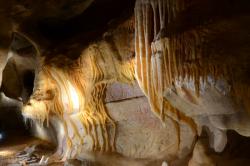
121	91
191	61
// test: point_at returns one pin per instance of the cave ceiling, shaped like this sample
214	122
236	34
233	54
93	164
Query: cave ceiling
62	22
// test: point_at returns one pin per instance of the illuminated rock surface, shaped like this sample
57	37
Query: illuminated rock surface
144	82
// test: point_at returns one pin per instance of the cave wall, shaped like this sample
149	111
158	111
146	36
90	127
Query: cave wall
186	63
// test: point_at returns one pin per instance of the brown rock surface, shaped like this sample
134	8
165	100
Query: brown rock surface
166	81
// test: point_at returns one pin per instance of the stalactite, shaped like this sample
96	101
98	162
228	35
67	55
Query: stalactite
160	59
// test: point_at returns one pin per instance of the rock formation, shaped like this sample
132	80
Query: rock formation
158	85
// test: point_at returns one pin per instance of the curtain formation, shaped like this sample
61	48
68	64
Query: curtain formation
162	58
75	89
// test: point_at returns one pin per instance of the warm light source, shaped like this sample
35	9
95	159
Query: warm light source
5	153
74	97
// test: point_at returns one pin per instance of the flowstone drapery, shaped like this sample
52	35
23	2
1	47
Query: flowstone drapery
75	89
173	60
163	58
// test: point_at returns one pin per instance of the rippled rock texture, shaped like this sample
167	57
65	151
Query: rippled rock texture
145	82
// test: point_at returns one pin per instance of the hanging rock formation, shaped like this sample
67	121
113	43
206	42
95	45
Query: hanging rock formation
181	77
160	85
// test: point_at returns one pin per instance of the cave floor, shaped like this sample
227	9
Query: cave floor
21	150
13	152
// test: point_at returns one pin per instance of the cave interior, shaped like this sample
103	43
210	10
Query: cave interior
125	83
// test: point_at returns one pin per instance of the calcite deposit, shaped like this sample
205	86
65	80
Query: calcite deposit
137	82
